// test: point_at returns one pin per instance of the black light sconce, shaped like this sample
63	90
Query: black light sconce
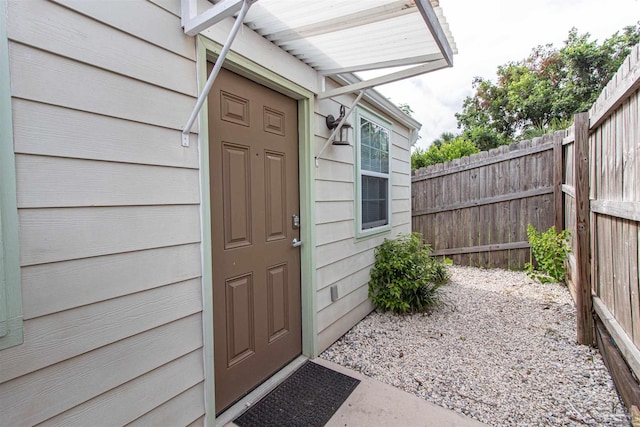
333	123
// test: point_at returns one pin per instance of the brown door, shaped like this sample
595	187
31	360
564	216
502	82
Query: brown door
256	270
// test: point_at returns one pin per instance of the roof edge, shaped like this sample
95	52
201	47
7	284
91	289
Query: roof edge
431	19
376	98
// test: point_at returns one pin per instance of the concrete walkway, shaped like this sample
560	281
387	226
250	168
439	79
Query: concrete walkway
373	403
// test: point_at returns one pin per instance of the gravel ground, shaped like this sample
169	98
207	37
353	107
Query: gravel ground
502	350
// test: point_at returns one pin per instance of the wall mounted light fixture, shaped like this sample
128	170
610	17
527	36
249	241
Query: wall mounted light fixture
333	122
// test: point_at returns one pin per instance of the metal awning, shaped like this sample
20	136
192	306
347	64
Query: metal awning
337	37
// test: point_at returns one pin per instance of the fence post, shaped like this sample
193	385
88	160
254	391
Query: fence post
558	168
583	238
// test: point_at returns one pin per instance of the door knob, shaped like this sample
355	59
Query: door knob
296	243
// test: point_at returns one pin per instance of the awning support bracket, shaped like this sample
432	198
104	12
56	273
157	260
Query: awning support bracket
389	78
246	4
337	128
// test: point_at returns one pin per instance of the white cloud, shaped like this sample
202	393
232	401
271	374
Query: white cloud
490	33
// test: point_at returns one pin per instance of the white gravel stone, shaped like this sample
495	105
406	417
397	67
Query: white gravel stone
502	349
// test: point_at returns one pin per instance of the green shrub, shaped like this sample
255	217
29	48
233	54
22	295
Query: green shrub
550	250
405	278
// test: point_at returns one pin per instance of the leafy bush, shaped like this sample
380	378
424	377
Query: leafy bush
550	250
405	278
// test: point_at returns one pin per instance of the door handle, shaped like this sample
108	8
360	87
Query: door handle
296	243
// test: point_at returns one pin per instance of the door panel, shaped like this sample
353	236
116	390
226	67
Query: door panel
240	321
277	304
236	183
275	188
256	272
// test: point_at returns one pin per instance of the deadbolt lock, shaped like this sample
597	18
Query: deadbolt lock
295	221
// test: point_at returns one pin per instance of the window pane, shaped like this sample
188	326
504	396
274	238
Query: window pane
365	133
366	157
385	163
374	147
375	160
374	143
374	202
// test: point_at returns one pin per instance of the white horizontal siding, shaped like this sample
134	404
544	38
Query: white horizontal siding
53	287
72	332
43	394
341	307
60	234
160	28
338	328
338	270
167	381
56	131
400	205
197	423
335	171
401	192
63	182
345	285
52	79
343	249
37	23
402	221
109	216
342	260
334	191
334	231
334	211
181	410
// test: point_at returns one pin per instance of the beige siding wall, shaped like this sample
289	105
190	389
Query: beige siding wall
109	212
341	259
109	217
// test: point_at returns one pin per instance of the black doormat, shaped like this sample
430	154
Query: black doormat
309	397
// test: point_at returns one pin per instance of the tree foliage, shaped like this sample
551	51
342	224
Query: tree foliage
549	86
444	149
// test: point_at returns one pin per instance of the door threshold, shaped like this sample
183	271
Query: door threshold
259	392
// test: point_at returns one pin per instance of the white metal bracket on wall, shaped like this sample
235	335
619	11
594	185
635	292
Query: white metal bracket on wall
389	78
337	128
193	24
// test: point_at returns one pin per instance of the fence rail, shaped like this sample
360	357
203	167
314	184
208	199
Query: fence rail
586	180
476	210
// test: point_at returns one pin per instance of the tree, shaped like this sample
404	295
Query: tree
445	137
444	152
549	86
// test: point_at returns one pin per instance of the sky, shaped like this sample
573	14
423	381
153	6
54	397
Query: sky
489	33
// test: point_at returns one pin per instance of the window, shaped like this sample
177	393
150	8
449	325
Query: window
374	142
10	295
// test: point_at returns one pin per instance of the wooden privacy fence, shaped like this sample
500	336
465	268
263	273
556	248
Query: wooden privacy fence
586	180
475	210
601	162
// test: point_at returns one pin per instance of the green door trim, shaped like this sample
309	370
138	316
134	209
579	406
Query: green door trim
208	50
10	293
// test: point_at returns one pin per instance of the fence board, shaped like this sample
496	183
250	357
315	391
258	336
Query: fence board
485	215
495	194
465	215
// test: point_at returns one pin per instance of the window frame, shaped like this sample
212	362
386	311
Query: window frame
368	115
11	328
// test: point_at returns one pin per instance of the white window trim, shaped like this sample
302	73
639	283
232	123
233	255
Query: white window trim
10	294
367	114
